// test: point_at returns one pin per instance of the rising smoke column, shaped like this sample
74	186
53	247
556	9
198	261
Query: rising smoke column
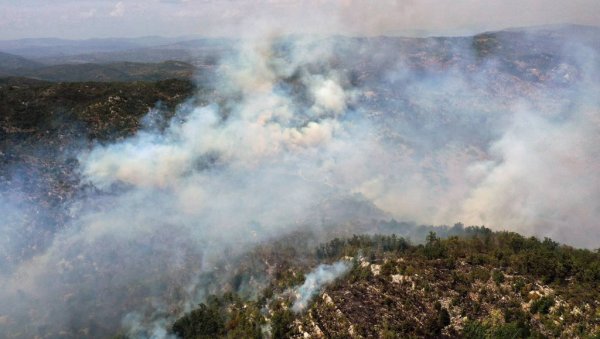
315	280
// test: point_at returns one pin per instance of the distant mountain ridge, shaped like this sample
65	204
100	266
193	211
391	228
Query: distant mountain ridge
56	47
102	59
17	66
10	63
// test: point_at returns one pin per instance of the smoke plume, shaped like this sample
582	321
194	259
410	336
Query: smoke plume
315	280
434	134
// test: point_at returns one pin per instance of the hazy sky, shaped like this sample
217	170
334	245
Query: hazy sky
128	18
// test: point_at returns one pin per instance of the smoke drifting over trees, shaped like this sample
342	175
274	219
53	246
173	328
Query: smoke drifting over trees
300	131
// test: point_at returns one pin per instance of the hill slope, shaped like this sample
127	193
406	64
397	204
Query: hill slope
475	284
119	71
42	125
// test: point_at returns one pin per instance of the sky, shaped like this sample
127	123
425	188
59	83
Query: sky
81	19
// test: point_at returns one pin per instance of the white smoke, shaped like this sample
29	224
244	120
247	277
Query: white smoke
538	179
315	280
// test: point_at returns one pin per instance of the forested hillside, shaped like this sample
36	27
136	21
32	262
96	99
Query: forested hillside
475	284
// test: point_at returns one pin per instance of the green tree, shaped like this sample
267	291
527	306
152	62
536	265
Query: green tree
281	323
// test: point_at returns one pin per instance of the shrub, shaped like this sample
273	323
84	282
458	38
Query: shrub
542	305
498	277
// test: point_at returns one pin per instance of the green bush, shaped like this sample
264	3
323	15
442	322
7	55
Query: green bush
542	305
498	277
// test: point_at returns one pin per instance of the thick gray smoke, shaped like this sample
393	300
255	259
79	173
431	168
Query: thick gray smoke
315	280
289	132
